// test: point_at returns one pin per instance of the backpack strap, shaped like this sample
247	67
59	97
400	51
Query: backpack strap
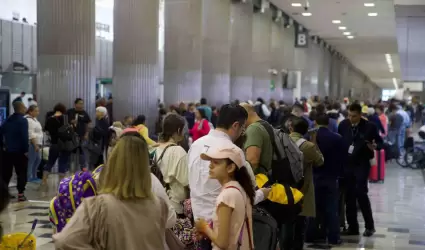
270	131
245	222
162	154
300	142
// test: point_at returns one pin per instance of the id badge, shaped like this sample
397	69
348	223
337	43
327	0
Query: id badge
351	149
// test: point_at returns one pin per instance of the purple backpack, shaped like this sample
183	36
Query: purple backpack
72	191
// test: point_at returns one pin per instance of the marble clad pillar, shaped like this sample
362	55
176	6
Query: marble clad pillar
136	69
66	53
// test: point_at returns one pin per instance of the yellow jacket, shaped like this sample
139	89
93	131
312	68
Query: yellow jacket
144	132
277	193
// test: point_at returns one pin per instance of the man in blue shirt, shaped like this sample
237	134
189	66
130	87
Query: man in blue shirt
208	110
14	134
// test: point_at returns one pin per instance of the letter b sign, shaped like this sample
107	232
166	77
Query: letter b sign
301	39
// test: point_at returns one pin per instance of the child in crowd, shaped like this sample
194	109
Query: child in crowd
232	222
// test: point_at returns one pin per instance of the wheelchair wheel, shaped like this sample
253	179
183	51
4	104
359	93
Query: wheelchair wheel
414	158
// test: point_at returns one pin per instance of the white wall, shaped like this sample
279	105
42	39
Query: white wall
25	8
28	9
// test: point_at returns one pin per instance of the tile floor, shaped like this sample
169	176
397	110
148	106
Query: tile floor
398	205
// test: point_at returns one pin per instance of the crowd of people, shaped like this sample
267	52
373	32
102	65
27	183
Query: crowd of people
211	157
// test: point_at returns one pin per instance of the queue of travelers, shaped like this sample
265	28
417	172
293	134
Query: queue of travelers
210	162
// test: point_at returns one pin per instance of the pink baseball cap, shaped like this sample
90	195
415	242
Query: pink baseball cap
233	153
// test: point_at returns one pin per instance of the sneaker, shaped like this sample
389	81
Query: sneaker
21	197
369	232
350	232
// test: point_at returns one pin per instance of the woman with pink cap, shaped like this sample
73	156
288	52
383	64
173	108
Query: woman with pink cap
232	220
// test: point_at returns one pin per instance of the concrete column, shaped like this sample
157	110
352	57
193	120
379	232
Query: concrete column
136	69
277	56
324	70
216	51
261	55
343	86
66	53
182	51
241	53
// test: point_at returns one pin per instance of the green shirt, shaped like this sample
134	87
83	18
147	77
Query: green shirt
257	136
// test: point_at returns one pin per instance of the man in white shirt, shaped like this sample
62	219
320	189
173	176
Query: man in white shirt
204	191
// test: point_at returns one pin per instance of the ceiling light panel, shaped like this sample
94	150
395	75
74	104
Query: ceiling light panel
342	28
347	33
306	14
369	4
395	83
350	37
336	21
296	5
372	14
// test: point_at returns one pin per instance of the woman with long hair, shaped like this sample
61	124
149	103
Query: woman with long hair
125	214
172	160
232	222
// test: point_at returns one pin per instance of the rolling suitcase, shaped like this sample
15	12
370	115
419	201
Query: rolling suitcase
377	170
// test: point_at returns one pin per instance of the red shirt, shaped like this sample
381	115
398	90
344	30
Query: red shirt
198	133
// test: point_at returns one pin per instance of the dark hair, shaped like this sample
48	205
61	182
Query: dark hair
23	93
203	101
172	123
355	107
322	120
59	107
379	107
313	115
299	125
281	103
336	106
78	100
242	177
298	106
241	140
191	104
229	114
29	99
31	108
259	99
320	109
127	117
162	111
202	113
140	119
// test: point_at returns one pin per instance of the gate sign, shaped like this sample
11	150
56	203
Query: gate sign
301	37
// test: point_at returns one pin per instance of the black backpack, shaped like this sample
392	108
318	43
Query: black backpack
155	166
67	138
265	229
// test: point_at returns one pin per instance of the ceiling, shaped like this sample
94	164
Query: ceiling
373	36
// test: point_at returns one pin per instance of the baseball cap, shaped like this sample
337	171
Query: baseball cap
233	153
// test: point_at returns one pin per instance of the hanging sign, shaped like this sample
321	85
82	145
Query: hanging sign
301	37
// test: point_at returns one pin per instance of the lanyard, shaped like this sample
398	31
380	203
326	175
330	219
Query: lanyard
354	132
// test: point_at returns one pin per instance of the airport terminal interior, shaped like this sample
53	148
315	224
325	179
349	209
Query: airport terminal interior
146	54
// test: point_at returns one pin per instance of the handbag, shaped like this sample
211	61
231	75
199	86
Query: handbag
173	242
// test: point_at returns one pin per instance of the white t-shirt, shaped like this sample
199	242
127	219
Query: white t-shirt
35	131
173	166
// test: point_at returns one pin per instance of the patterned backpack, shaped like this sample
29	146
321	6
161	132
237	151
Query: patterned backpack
72	191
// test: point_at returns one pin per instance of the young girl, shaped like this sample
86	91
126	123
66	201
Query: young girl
232	222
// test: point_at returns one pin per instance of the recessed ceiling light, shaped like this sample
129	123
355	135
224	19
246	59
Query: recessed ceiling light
342	28
347	33
296	5
391	70
306	14
369	5
336	21
350	37
372	14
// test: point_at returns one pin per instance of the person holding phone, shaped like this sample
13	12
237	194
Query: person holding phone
362	138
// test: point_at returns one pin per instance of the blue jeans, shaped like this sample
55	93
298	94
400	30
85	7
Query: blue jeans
34	160
401	137
62	157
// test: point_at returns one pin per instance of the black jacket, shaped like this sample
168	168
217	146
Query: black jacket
358	138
